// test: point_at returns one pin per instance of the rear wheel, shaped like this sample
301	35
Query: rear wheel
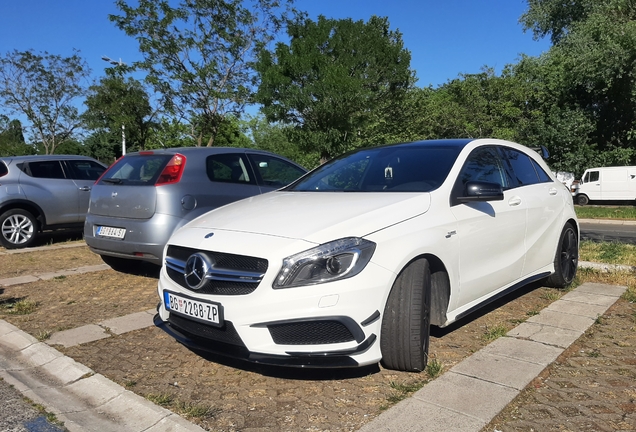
406	321
566	259
582	200
19	229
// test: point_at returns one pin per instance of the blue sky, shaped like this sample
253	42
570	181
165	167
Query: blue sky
445	38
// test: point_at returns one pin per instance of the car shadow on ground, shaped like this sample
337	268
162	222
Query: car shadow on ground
55	237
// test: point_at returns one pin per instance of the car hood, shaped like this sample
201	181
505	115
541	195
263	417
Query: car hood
317	217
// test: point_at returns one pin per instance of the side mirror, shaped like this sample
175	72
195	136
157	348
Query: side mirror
481	191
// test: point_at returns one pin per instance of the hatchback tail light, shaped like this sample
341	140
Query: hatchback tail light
173	171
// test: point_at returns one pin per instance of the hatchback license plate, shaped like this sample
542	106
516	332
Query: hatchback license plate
104	231
208	312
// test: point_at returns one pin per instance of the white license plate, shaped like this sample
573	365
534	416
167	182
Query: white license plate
211	313
104	231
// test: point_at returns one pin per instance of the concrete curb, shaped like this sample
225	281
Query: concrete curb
41	248
455	401
83	400
51	275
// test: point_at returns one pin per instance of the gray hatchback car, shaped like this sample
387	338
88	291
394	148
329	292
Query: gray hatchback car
145	196
47	192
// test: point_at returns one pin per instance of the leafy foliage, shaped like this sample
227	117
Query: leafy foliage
198	54
333	79
43	87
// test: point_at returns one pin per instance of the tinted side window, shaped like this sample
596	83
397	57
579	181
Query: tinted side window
229	168
85	169
592	176
275	172
543	176
484	164
45	169
522	168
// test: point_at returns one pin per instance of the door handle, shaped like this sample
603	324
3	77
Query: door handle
514	201
85	188
552	191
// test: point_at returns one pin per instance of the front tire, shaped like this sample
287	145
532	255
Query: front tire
406	322
566	259
18	228
582	200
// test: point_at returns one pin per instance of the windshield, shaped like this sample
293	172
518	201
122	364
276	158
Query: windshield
136	169
383	169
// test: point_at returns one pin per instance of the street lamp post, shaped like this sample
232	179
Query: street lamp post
123	129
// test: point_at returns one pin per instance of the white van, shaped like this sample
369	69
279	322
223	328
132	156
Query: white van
608	183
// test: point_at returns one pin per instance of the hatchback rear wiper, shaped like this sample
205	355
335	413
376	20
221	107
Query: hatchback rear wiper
113	180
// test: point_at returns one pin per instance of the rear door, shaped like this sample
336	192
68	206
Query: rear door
229	178
83	173
46	184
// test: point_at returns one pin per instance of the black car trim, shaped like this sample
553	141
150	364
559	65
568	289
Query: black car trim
335	359
503	294
346	321
373	318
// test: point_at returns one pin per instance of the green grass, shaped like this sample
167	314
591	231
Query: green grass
495	332
622	212
608	252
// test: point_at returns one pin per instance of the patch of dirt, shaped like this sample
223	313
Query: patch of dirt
38	262
577	392
72	301
591	386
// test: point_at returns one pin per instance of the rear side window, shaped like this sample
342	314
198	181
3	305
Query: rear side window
50	169
85	169
274	171
137	170
229	168
543	176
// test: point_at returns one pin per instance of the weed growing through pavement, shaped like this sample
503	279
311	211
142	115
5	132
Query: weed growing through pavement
162	399
495	332
434	368
551	295
50	417
403	390
532	313
599	319
594	353
630	294
20	307
60	277
43	335
130	383
199	411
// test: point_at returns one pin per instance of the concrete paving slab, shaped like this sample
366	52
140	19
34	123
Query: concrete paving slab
497	369
93	268
128	323
412	415
174	423
604	289
137	413
548	335
576	308
562	320
525	350
40	353
17	340
66	370
6	328
589	298
78	336
465	395
96	390
7	282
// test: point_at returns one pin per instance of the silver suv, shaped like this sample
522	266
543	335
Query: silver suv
145	196
39	193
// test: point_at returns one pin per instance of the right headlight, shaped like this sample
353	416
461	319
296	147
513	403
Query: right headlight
339	259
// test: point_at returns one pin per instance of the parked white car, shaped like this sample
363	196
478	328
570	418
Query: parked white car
352	263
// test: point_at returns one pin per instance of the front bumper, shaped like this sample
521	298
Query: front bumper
295	327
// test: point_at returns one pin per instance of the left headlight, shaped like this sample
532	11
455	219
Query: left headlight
339	259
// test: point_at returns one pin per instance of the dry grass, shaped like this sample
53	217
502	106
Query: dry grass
37	262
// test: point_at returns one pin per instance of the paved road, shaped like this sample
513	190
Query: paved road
16	415
599	231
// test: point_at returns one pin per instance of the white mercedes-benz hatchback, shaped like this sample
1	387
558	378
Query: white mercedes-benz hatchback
352	263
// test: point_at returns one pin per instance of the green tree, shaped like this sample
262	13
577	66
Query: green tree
11	138
333	79
198	54
44	88
117	105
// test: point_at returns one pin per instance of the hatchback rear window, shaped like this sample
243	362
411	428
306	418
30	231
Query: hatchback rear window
137	170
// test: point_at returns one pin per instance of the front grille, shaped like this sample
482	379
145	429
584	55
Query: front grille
310	333
226	334
231	274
